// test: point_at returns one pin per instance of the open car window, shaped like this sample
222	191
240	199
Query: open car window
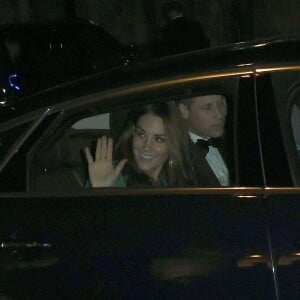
94	122
59	160
55	161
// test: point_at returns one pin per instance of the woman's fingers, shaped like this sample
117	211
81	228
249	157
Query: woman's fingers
88	155
119	167
109	149
98	149
104	150
103	147
101	169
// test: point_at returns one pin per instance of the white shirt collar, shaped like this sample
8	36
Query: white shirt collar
194	137
215	161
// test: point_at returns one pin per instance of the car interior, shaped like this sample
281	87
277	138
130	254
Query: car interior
58	159
62	162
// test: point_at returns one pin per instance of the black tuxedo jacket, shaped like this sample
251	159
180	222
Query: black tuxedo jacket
205	176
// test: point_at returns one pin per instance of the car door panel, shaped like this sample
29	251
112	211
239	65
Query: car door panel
285	236
134	247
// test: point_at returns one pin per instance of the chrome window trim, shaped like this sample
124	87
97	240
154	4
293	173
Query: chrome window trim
145	87
102	192
278	68
239	192
167	82
282	190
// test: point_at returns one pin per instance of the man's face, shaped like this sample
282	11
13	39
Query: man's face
205	115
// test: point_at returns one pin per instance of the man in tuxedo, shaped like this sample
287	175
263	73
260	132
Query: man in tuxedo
205	117
180	34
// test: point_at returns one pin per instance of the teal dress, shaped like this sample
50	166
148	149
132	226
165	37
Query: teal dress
120	182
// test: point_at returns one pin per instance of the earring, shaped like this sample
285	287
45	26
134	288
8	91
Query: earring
170	162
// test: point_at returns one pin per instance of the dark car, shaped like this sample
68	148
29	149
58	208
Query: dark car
49	53
61	240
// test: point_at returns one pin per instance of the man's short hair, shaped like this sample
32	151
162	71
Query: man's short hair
189	101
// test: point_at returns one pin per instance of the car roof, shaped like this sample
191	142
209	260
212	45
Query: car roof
239	56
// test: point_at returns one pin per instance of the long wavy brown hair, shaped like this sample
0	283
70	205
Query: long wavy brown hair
181	171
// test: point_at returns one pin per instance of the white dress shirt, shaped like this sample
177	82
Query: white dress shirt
215	161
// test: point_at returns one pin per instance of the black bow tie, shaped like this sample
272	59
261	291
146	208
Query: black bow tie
203	145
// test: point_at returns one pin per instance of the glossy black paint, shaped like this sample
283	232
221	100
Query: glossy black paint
175	247
285	238
231	243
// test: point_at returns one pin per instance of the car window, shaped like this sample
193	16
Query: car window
60	159
286	86
94	122
55	155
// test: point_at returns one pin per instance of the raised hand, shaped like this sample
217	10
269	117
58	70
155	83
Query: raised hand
102	172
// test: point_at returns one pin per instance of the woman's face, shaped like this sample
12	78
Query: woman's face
150	149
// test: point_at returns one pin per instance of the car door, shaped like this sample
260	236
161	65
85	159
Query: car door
60	239
278	98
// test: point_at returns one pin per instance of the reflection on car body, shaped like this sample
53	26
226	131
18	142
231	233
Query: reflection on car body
193	242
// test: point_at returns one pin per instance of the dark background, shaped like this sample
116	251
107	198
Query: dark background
137	21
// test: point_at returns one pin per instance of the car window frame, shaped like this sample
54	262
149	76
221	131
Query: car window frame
36	118
285	89
154	87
